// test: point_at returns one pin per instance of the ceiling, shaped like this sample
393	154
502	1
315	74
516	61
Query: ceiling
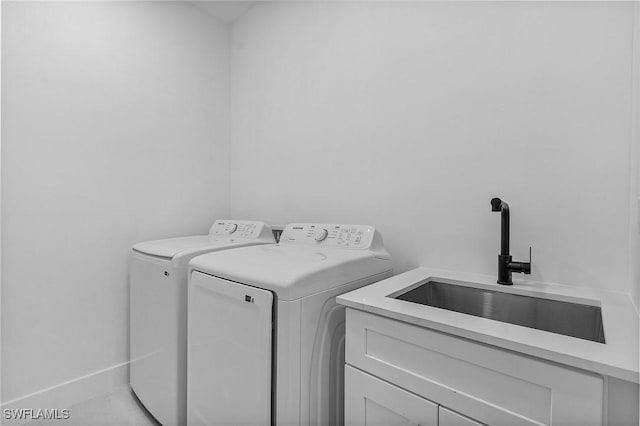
227	11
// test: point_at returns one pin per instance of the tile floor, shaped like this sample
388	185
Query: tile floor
120	408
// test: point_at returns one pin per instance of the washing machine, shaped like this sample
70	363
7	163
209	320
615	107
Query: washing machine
265	334
158	312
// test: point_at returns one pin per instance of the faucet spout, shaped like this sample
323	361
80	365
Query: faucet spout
505	264
497	205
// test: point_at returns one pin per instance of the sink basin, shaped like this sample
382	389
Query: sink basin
571	319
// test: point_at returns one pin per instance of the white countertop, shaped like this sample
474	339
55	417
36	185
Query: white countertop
618	357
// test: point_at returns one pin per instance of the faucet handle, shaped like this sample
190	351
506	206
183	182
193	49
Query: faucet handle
519	267
526	267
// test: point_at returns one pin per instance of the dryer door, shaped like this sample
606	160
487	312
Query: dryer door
229	352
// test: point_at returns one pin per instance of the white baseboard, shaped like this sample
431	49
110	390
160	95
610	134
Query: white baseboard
66	394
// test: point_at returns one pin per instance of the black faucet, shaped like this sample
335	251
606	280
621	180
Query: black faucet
505	266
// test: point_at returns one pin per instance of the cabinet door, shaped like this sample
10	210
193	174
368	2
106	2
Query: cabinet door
496	386
370	401
449	418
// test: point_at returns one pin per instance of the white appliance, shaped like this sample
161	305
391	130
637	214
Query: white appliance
158	312
265	335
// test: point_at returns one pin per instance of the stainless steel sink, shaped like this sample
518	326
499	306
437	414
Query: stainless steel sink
570	319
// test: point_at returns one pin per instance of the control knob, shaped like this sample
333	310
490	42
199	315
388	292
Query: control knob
321	235
232	228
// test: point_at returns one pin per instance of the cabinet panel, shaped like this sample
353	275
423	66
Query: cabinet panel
370	401
449	418
496	386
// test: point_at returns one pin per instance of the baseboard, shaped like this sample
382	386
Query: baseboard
66	394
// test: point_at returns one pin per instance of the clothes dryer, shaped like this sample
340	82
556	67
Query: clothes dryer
265	334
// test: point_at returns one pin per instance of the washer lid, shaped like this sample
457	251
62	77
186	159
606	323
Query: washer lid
291	271
223	234
172	247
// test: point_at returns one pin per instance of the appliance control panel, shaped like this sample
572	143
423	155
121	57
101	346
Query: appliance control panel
329	235
236	228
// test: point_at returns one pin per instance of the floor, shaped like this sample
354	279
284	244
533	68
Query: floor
120	408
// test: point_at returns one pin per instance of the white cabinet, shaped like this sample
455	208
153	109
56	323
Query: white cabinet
370	401
487	384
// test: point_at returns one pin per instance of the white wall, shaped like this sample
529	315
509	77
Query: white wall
635	153
115	130
0	204
412	116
